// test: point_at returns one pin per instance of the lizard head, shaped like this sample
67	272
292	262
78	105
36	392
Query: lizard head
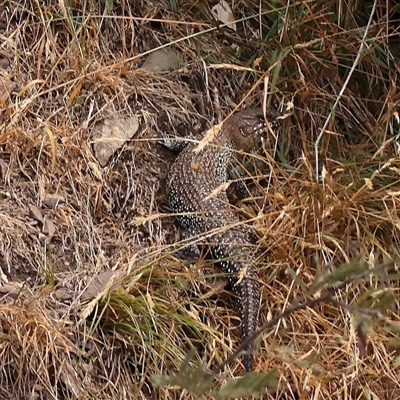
247	127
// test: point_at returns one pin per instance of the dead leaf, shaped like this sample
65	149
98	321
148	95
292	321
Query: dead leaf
48	226
223	13
52	200
49	229
104	280
36	213
110	135
11	289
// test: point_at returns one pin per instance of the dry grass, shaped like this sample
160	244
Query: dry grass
326	193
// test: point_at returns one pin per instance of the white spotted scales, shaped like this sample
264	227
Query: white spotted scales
197	194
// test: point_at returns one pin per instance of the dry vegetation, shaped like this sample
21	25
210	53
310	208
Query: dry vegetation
326	193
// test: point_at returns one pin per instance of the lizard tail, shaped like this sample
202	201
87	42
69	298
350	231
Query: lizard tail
247	291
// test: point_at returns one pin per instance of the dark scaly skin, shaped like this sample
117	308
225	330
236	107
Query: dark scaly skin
193	178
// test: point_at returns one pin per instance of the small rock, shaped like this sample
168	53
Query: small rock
163	60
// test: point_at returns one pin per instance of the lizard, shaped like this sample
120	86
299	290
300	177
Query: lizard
196	191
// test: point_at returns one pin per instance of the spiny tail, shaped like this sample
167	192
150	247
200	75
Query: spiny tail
238	263
247	290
